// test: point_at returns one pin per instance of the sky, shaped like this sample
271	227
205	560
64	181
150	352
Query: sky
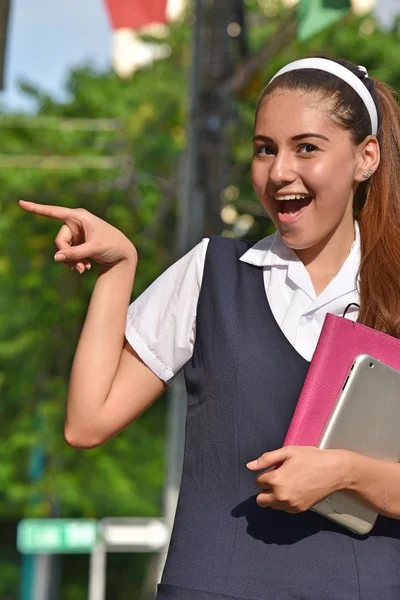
44	43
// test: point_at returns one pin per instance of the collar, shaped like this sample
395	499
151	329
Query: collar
272	252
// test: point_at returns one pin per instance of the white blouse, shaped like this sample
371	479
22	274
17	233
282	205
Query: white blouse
161	322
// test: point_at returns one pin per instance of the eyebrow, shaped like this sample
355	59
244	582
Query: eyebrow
301	136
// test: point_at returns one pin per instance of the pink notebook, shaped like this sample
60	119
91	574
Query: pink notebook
341	340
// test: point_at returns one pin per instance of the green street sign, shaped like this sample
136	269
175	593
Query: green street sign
56	536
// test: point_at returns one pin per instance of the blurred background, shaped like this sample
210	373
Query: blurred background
140	111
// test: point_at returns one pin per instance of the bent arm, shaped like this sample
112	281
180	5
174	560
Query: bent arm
109	385
113	381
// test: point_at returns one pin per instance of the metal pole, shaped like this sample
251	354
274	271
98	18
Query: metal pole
27	576
97	572
175	446
41	573
5	9
190	227
46	584
191	208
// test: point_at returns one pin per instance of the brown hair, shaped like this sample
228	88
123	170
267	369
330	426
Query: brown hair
376	202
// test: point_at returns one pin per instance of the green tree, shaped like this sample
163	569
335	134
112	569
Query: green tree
134	132
42	306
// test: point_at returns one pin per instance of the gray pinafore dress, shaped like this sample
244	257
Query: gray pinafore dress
243	382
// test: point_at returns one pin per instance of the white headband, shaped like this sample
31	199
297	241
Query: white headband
324	64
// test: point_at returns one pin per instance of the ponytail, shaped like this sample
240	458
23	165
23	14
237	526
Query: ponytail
379	221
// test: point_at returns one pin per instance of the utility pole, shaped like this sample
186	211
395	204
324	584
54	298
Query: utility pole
220	32
40	573
217	24
219	27
5	9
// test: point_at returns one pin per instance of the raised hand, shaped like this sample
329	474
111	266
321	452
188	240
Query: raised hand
84	236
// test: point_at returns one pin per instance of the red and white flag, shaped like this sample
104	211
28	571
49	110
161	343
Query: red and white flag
135	14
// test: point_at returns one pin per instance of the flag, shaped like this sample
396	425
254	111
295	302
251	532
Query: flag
135	14
316	15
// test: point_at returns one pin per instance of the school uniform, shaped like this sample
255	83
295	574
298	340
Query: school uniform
236	318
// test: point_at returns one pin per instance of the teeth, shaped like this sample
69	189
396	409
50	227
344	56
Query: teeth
292	197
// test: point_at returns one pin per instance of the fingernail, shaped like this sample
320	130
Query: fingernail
59	256
252	463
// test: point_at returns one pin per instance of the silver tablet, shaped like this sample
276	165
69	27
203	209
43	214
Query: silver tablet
365	419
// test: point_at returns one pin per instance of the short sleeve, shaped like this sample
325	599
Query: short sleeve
161	322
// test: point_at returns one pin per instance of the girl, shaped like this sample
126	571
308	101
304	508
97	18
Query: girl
243	320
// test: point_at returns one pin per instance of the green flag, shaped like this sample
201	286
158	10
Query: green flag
316	15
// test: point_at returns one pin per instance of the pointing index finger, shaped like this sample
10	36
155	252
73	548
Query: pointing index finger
46	210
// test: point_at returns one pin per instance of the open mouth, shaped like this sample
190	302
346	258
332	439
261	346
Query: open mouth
292	206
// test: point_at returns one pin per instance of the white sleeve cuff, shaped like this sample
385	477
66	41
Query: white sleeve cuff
163	371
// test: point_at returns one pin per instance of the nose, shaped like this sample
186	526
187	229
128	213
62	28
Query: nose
283	169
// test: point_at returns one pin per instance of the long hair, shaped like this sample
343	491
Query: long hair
377	201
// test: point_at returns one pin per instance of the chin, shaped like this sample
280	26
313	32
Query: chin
298	241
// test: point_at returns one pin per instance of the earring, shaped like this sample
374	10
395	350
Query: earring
367	174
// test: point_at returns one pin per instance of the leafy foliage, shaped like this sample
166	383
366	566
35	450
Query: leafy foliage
42	306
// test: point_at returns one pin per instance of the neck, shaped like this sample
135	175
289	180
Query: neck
324	260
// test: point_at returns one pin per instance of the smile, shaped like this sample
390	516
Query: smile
291	207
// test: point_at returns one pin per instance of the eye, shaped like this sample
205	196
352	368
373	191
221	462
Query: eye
307	148
265	149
